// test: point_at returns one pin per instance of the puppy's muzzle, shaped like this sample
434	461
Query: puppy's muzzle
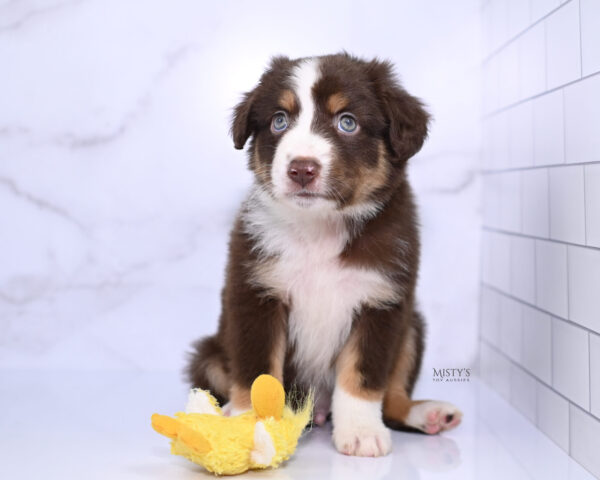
303	170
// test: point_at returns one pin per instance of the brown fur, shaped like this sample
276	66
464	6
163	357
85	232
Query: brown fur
349	374
383	353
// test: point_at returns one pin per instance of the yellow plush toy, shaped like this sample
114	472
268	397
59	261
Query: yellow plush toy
260	438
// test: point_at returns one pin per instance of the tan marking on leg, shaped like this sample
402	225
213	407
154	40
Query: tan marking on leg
407	358
396	402
336	103
239	397
428	416
287	101
348	376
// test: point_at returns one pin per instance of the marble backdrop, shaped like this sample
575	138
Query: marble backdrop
118	180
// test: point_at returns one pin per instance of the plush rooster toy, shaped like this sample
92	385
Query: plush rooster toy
260	438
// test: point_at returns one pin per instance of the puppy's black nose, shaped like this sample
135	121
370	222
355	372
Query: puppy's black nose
303	170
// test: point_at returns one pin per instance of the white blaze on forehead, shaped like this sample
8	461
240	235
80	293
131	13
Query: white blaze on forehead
304	77
299	140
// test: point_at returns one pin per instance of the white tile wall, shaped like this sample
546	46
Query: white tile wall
509	74
592	204
535	200
540	8
490	316
491	204
520	135
522	268
497	264
551	277
499	24
590	36
523	392
491	73
485	361
582	117
500	143
563	56
494	368
532	62
585	432
486	257
540	311
511	329
595	374
518	16
510	201
537	343
553	415
548	129
567	215
501	374
570	362
584	287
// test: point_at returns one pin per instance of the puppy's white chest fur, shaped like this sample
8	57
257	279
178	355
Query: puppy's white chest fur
303	267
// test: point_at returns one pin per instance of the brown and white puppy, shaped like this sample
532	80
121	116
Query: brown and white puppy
324	254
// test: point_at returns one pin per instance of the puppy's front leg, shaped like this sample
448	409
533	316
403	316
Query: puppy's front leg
257	344
362	371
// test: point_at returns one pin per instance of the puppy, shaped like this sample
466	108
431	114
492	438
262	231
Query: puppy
324	254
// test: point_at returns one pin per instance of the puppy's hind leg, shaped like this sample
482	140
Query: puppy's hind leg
402	413
208	369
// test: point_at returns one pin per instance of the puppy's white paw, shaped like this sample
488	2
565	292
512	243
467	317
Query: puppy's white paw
358	428
363	441
433	417
200	401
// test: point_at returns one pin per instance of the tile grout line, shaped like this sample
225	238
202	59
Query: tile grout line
568	283
550	387
551	350
535	273
570	430
538	95
585	217
563	100
502	46
580	40
537	382
535	237
537	167
539	309
590	368
549	199
545	57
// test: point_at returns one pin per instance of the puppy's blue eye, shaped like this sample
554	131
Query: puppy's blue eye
279	122
347	123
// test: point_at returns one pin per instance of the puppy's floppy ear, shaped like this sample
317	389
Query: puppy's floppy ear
405	115
244	121
241	125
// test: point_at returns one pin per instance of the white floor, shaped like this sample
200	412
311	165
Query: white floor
91	426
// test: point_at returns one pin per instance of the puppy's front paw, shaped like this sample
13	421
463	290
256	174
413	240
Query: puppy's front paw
363	441
358	428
